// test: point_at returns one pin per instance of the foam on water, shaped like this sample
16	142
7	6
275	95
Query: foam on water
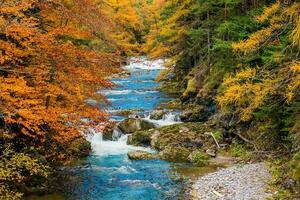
143	63
168	119
107	148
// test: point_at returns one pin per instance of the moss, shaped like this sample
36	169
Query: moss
199	158
286	176
191	87
172	88
162	74
140	138
174	104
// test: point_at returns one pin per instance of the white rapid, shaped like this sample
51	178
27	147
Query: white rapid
139	92
119	144
168	119
108	148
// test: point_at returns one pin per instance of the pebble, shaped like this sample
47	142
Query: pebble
240	182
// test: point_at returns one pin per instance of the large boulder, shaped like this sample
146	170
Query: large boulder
141	155
131	125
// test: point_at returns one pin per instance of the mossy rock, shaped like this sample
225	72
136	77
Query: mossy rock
80	147
140	138
172	88
175	142
193	113
158	114
141	155
108	132
191	89
175	154
132	125
127	113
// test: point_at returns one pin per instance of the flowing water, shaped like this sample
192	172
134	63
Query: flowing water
108	174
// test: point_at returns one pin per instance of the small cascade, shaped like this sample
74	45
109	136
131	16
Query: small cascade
168	119
117	134
107	148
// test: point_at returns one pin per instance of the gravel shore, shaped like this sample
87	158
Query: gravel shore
240	182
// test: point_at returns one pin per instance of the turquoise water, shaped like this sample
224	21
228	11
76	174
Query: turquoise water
108	174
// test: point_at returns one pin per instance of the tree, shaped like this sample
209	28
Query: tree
54	54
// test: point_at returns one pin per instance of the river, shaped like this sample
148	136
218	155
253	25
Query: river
108	174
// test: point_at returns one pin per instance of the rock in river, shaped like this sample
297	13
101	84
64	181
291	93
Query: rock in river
157	114
131	125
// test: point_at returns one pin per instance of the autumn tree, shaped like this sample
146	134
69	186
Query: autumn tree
53	56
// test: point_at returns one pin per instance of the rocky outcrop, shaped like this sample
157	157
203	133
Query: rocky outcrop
132	125
175	142
141	155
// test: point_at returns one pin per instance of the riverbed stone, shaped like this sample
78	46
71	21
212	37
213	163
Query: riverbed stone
108	132
140	138
131	125
141	155
157	114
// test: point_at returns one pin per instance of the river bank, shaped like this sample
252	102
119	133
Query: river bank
249	181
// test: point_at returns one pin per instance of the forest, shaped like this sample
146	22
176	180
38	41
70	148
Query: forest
231	66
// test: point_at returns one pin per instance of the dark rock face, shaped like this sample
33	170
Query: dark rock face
132	125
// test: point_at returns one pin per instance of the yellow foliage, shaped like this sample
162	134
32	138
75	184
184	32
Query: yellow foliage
294	83
268	12
277	16
191	87
255	40
245	95
14	168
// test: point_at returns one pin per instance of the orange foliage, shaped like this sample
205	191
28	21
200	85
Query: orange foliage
49	66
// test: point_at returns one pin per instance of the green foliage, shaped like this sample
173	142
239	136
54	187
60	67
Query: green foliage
286	177
200	158
239	150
